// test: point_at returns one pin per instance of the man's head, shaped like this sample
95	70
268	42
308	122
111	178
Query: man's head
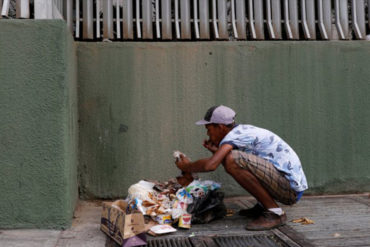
219	120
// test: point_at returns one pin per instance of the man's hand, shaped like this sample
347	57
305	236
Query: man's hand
182	162
210	146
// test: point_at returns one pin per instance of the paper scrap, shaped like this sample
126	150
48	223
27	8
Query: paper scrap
303	221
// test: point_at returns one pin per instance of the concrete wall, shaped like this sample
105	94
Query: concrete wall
138	102
38	124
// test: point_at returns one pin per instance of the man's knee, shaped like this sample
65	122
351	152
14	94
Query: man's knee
230	164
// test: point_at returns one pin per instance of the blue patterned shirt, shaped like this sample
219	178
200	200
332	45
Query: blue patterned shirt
269	146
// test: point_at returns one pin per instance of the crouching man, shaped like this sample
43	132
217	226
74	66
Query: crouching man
259	160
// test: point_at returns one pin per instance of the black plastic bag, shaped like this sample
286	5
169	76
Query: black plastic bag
207	208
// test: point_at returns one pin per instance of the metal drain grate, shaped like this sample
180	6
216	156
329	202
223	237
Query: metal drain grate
170	242
224	241
255	241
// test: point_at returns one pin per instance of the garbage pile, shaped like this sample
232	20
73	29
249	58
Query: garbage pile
169	203
160	207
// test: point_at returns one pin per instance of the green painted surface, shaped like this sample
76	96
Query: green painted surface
138	103
38	124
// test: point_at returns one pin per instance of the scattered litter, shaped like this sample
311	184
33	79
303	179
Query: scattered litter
162	229
303	221
336	235
229	212
185	221
192	235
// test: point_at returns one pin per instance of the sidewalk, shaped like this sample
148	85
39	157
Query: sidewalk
342	220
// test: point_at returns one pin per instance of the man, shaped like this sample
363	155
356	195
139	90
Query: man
259	160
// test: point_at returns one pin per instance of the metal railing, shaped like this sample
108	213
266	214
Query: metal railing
158	20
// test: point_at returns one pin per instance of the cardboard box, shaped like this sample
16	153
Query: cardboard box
126	229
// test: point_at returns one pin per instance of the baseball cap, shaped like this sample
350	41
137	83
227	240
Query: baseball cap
219	115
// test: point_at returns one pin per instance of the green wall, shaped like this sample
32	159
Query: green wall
138	103
38	124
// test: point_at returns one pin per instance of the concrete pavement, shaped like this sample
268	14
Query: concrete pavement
340	220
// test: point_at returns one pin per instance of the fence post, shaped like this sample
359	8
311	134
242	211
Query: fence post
46	9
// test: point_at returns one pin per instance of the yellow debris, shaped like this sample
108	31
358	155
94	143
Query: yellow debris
229	212
303	221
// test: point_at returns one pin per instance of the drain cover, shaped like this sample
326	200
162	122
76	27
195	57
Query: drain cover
219	241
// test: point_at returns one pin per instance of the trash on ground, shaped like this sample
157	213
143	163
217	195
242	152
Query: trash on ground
127	229
229	212
158	206
155	208
185	221
303	221
162	229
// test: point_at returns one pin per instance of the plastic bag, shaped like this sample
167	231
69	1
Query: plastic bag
199	188
141	190
207	208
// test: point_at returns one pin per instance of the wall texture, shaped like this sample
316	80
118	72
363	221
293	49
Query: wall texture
138	103
38	124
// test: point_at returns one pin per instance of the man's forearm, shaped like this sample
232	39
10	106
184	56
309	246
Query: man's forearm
202	165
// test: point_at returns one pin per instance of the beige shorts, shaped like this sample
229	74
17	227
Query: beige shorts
271	179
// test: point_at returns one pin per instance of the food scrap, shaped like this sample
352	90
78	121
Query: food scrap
303	221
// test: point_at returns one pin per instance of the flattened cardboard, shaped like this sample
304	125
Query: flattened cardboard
121	226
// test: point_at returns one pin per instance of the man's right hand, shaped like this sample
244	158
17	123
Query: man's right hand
210	146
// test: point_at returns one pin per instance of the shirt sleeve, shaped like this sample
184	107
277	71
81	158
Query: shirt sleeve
230	143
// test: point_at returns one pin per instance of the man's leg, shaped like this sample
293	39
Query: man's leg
249	182
256	178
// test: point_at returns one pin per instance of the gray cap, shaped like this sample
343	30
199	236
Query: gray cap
218	115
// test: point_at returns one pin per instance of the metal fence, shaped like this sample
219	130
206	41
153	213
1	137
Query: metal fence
156	20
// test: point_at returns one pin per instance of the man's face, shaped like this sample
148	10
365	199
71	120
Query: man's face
215	133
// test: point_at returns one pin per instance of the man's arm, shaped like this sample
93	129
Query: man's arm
207	164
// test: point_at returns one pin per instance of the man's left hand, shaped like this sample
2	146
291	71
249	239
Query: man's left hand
183	162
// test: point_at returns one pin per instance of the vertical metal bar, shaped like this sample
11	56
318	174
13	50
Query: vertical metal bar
108	19
166	19
258	19
185	19
118	18
204	19
138	27
311	21
77	34
322	27
23	9
338	20
233	19
306	31
222	19
195	19
368	13
251	19
358	18
68	14
5	9
240	19
157	26
293	17
147	19
177	25
287	20
127	20
269	19
214	18
328	17
87	13
97	7
1	7
276	17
